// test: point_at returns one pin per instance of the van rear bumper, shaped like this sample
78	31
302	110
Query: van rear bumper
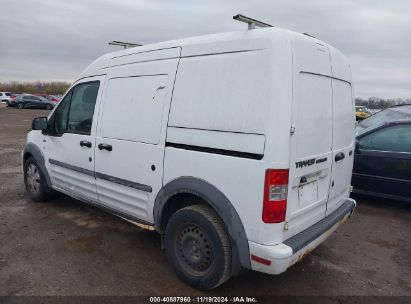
275	259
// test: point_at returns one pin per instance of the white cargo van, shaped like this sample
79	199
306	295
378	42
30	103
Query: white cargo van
237	147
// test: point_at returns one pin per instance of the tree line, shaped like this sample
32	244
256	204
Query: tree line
48	87
380	103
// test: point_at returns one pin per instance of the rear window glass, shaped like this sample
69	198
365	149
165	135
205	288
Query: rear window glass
8	94
391	114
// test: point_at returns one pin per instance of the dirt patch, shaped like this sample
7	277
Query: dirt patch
87	244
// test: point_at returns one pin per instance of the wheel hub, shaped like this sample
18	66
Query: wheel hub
33	178
194	249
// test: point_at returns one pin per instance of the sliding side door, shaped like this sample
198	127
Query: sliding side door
131	135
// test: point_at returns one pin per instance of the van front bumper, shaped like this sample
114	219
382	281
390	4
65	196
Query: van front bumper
276	259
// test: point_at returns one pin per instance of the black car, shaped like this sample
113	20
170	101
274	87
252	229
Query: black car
382	162
30	101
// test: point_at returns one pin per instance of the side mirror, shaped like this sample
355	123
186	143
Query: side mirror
39	123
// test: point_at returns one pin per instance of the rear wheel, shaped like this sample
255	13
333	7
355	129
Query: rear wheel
198	247
35	181
20	106
49	107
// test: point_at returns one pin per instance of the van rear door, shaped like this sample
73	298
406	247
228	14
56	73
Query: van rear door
310	152
343	143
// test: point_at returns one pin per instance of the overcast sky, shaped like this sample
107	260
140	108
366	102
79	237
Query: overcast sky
57	39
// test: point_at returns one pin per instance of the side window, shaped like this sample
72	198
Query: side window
61	114
83	101
396	139
75	112
26	97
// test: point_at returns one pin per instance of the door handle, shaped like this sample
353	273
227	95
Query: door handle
339	156
85	143
105	147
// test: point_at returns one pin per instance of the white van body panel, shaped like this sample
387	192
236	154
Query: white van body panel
133	120
222	109
241	142
66	150
241	180
312	105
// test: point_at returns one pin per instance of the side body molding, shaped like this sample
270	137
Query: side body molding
35	152
218	201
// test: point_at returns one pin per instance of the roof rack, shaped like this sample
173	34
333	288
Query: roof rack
252	23
126	45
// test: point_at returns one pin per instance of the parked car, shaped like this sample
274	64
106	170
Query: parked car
374	111
5	97
30	101
394	113
49	97
234	173
361	113
382	162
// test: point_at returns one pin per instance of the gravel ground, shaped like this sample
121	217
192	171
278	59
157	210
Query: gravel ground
64	247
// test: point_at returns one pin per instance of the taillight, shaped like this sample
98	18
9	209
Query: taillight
275	195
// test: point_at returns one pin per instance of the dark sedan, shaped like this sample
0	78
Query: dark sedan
382	162
30	101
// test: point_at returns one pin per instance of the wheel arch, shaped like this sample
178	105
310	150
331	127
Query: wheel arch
34	151
174	195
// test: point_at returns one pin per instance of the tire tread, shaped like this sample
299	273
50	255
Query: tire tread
207	214
219	226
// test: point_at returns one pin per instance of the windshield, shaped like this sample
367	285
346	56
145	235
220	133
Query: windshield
391	114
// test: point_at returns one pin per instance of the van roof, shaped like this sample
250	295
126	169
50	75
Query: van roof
208	44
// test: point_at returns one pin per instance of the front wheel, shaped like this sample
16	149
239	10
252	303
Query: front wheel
20	106
198	247
35	181
49	107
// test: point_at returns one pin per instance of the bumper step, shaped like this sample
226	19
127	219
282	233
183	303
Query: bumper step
305	237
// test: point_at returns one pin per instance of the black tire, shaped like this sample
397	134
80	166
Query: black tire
20	106
49	106
198	247
35	182
7	103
